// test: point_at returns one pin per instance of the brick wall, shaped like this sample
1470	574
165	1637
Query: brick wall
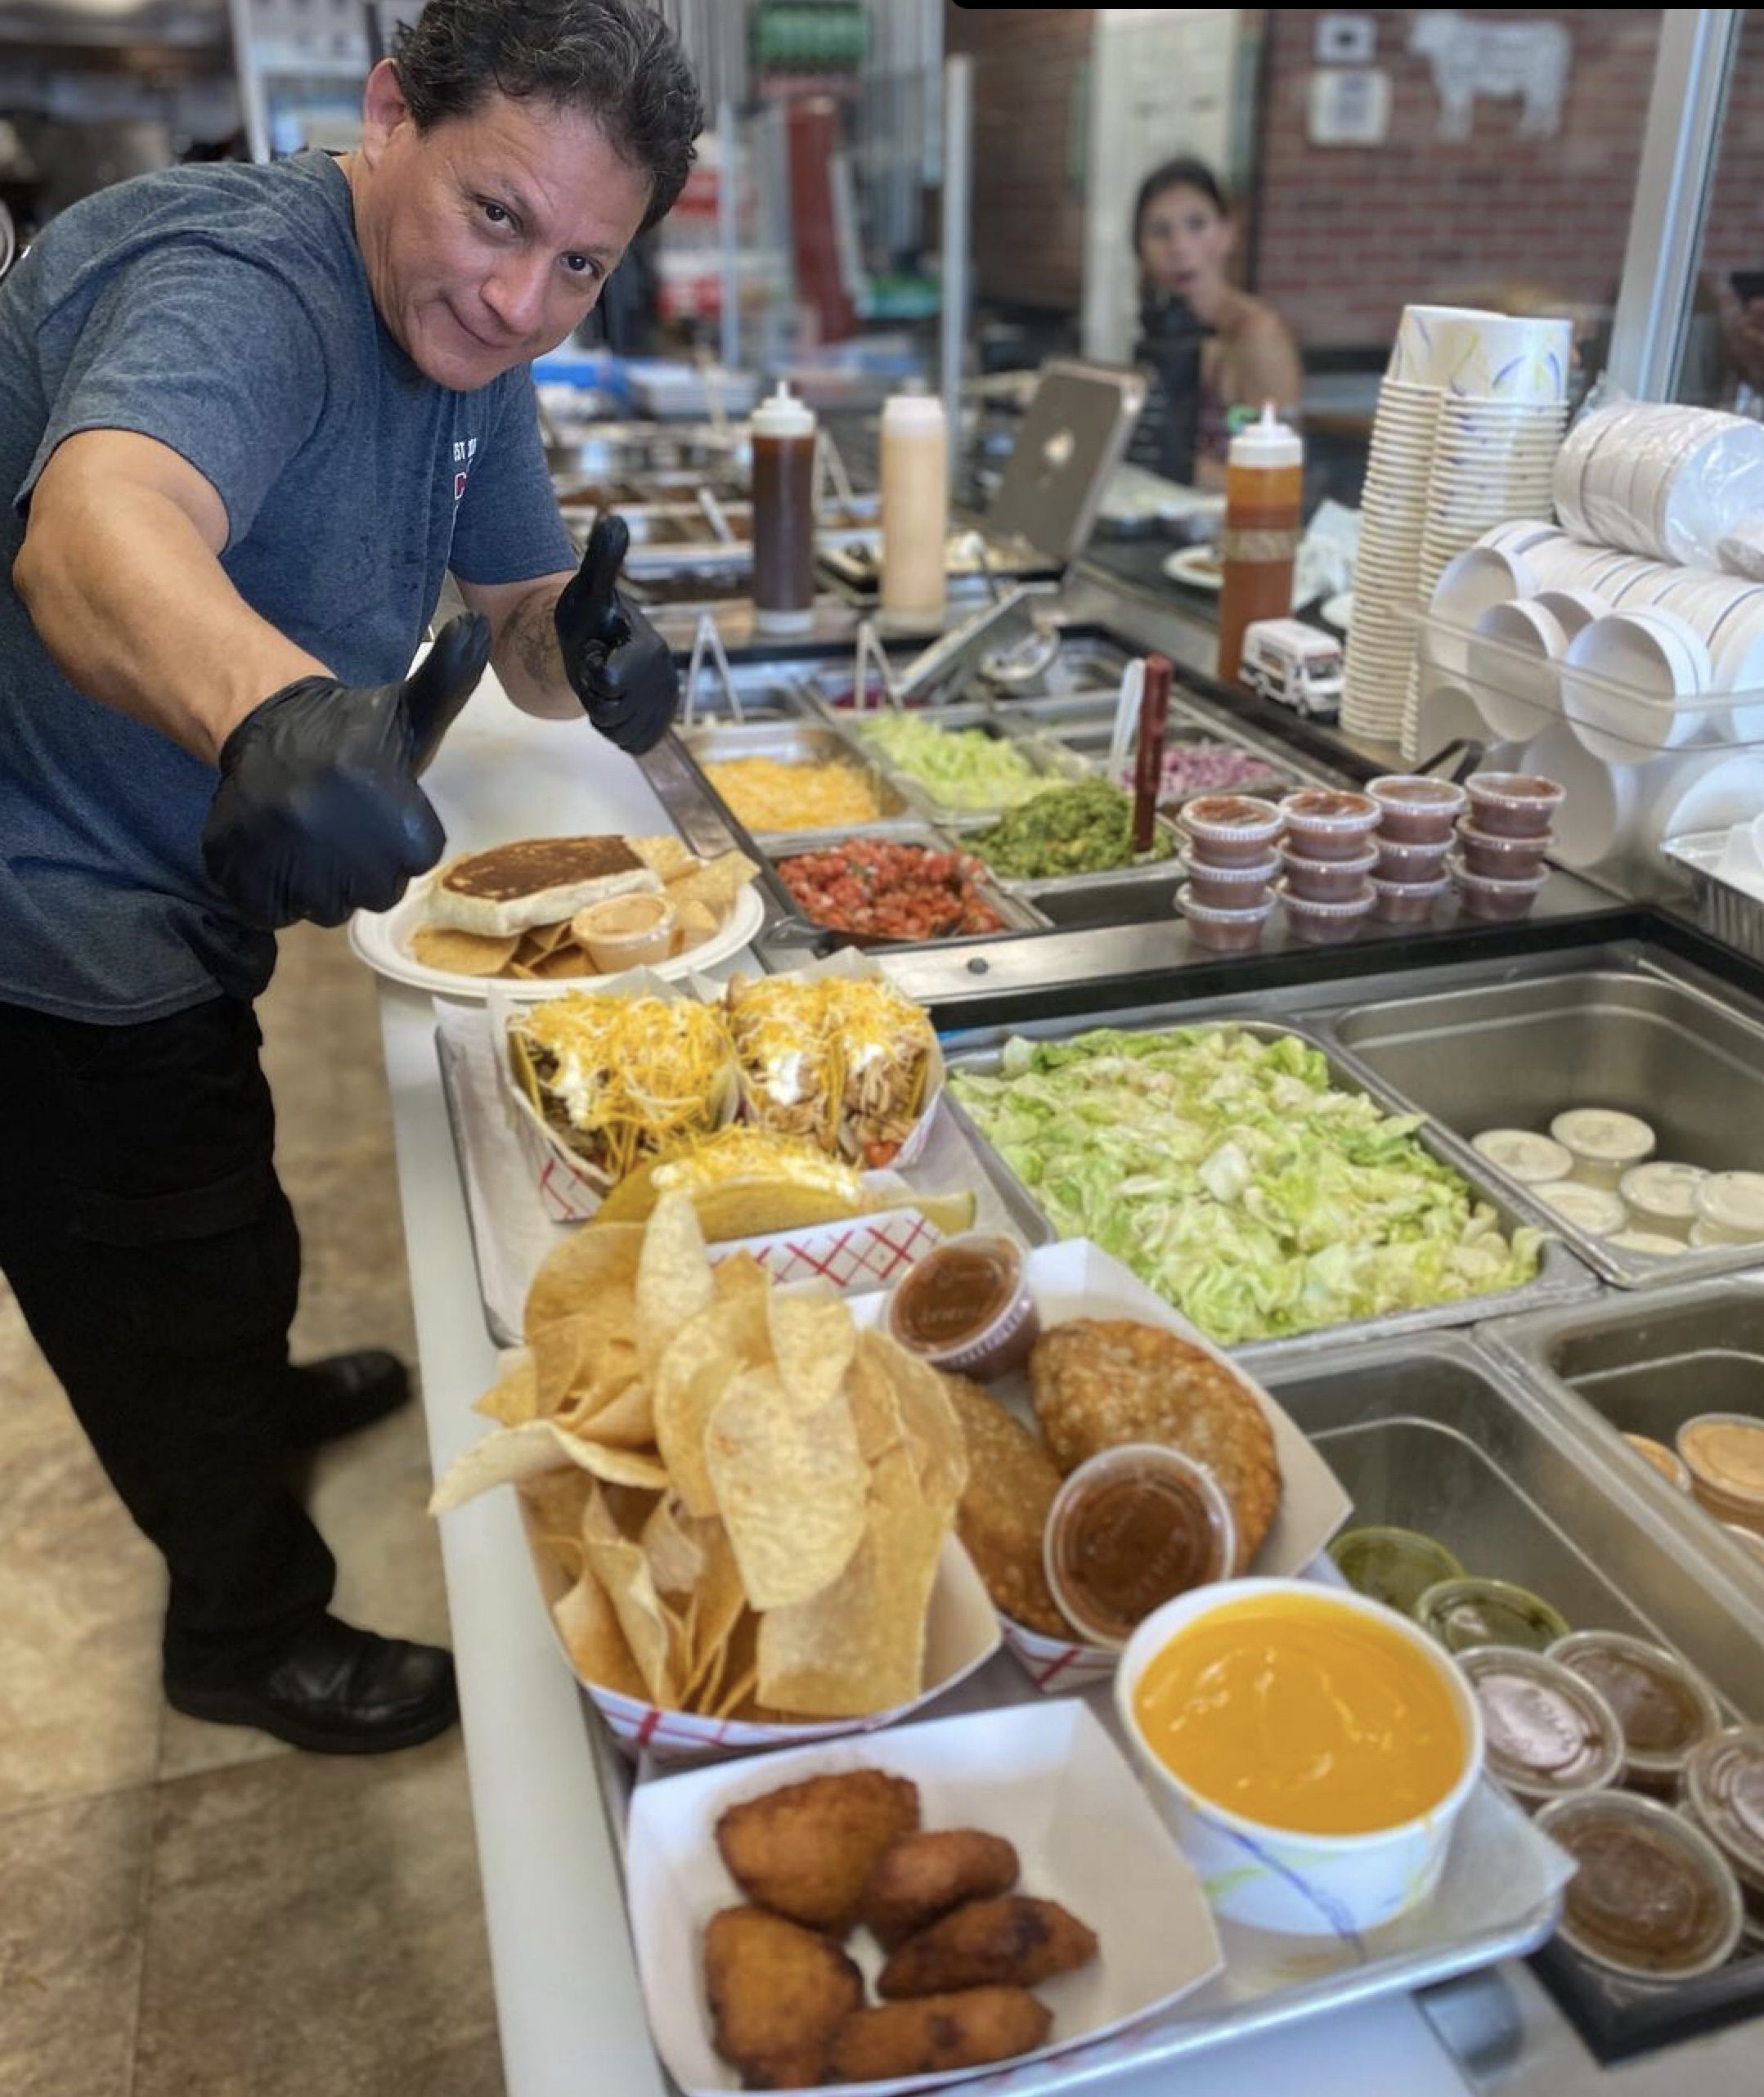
1348	235
1031	74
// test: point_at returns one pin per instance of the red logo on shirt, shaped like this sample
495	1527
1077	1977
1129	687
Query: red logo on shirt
464	450
459	486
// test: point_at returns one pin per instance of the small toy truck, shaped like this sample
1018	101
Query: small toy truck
1293	664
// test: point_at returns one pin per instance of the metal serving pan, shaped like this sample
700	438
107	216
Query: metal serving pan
1560	1278
1515	1054
1438	1435
806	743
799	930
1044	756
1630	1365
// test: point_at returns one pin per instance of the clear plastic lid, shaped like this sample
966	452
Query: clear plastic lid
1394	1566
1724	1787
1605	1136
1653	1898
1129	1529
1549	1733
1537	1160
1733	1202
1662	1188
1594	1209
1663	1705
1725	1451
1462	1614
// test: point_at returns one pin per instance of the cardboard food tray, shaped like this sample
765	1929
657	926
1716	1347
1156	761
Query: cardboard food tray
1052	1781
571	1188
513	1226
1500	1895
1077	1279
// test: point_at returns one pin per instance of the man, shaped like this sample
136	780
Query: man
251	416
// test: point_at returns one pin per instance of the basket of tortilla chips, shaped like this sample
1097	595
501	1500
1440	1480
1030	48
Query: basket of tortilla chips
740	1509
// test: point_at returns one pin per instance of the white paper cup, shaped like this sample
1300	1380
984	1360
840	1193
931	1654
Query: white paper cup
1308	1885
1623	679
1513	657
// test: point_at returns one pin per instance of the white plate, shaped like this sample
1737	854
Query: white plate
1196	566
380	937
1047	1778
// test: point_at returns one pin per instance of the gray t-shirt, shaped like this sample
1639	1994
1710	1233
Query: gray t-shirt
225	311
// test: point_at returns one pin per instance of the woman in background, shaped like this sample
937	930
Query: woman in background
1215	347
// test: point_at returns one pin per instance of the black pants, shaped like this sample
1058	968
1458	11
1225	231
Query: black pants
157	1263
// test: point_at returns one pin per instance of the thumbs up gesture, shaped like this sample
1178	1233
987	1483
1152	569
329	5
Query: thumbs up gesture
617	663
318	812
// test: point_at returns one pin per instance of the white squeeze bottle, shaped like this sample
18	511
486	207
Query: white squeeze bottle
915	507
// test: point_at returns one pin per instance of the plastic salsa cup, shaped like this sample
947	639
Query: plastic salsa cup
1722	1791
1230	887
1223	932
1663	1705
1724	1453
965	1308
1500	902
1406	902
1416	811
1328	881
1514	804
1398	860
1325	924
1501	858
1462	1614
1230	829
1326	823
1653	1898
1129	1530
1394	1566
1549	1733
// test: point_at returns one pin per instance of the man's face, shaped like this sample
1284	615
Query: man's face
488	240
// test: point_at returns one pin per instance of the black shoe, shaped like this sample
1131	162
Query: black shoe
335	1691
344	1394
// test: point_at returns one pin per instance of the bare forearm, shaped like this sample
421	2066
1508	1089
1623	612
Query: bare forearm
527	660
138	613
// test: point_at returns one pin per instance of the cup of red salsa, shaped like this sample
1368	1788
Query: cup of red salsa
1130	1529
966	1307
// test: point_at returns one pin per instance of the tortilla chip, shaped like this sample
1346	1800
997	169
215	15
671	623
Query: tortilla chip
599	1651
461	954
719	1606
812	1341
512	1453
673	1276
543	940
672	1544
556	1499
516	1397
572	1275
652	1630
564	962
689	1385
857	1646
791	1487
715	882
626	1421
666	856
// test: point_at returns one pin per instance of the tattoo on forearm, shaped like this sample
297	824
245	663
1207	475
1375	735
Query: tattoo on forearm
532	636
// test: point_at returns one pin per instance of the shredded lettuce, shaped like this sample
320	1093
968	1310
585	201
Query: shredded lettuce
1226	1171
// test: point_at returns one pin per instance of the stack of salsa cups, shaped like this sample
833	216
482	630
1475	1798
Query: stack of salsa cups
1328	853
1230	860
1414	831
1498	866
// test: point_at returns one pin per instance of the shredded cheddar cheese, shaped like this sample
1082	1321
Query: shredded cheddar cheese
766	795
637	1074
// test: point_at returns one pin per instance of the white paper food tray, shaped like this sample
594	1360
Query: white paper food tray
1078	1279
1049	1779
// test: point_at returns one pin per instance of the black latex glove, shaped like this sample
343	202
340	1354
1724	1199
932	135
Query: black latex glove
318	812
618	664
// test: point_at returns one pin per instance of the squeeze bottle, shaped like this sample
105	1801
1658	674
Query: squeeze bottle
784	431
1264	508
915	507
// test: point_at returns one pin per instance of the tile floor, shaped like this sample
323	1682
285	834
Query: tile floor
192	1908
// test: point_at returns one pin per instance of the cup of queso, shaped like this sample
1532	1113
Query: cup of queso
1310	1749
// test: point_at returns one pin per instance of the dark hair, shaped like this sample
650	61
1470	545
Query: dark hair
1182	172
616	60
